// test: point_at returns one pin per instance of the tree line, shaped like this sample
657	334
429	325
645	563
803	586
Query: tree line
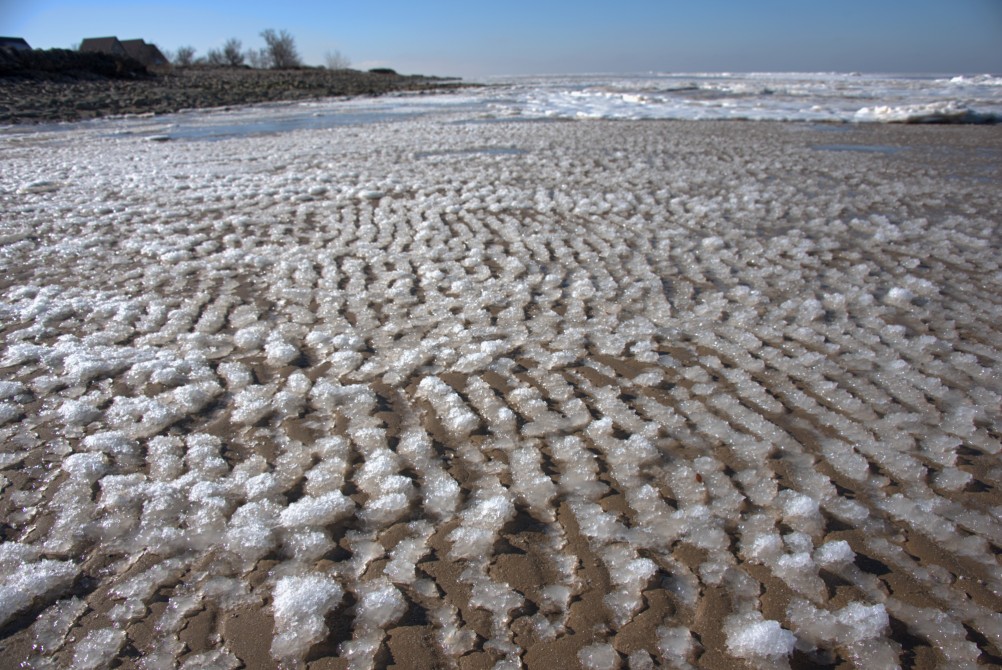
279	52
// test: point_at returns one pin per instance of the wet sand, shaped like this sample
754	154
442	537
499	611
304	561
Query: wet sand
705	368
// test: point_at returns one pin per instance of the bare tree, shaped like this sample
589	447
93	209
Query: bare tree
336	60
215	58
232	53
281	49
184	56
257	58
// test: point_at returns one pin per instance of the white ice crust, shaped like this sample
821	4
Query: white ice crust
346	374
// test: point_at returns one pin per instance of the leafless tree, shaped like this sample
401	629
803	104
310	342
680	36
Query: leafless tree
215	57
257	58
184	56
336	60
232	53
281	49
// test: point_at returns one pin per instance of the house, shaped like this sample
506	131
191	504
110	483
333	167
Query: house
136	49
15	43
105	45
147	54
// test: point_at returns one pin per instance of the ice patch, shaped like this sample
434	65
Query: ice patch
942	112
33	582
751	636
599	656
317	511
300	605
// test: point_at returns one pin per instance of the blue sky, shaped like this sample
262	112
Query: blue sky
471	38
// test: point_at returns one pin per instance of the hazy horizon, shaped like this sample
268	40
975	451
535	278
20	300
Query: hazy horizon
451	38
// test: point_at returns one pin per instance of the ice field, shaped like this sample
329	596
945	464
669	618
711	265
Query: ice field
440	390
772	96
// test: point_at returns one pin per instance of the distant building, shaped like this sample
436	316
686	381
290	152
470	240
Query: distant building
147	54
104	45
16	43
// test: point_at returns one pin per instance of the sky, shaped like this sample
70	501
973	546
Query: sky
472	38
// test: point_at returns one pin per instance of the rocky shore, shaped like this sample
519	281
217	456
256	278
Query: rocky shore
64	93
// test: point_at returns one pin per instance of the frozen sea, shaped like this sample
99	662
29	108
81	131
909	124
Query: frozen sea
559	372
811	97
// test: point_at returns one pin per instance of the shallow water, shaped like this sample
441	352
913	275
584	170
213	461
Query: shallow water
289	123
865	148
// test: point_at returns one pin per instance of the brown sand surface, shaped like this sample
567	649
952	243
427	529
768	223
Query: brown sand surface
785	336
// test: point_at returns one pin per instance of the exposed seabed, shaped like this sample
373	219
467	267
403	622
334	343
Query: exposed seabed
462	394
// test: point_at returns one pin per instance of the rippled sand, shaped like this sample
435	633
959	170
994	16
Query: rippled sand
437	394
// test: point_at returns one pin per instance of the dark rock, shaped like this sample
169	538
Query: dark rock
66	92
63	65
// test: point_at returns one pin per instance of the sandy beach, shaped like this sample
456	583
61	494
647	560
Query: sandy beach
502	394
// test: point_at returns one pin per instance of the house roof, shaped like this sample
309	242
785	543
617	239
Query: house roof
135	48
155	56
108	45
14	42
147	54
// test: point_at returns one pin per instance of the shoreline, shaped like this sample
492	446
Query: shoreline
25	101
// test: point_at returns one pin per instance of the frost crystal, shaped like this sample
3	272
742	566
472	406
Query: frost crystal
751	636
300	604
